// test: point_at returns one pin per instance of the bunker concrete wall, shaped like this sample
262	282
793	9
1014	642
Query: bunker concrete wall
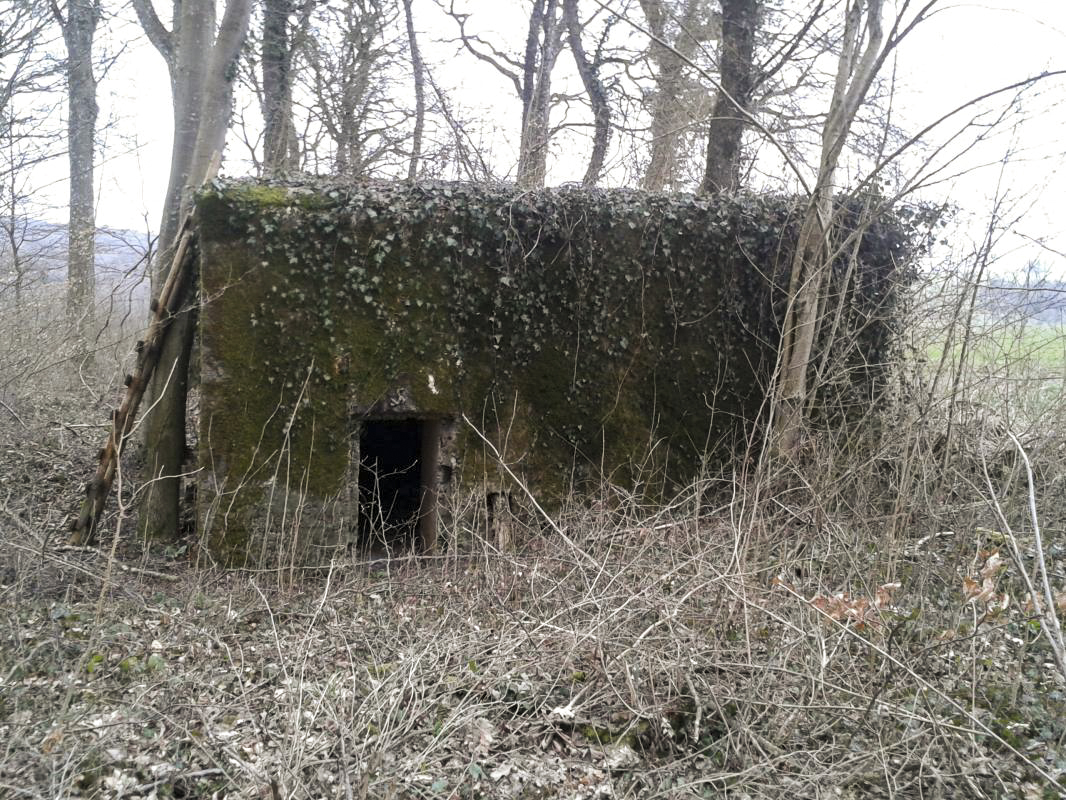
587	334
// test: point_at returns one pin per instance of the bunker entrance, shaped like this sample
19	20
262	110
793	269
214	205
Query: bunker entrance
398	478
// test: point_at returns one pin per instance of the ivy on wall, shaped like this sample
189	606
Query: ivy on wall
607	323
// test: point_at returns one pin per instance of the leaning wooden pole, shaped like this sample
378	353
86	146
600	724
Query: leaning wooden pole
164	309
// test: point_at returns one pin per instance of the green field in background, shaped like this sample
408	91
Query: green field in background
1029	347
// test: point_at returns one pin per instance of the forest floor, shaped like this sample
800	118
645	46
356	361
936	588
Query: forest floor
753	648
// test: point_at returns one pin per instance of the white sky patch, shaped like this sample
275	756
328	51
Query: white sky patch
963	51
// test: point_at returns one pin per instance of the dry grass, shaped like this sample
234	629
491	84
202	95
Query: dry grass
733	643
673	666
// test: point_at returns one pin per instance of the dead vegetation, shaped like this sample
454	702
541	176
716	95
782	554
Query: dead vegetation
859	628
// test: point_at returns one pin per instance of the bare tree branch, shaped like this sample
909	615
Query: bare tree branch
157	34
601	111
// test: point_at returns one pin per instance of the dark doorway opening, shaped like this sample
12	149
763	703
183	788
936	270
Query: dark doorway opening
397	485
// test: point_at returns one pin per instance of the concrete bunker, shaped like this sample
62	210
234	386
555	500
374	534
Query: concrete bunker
589	335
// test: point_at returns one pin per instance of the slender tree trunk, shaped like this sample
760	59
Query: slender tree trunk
542	48
669	116
280	153
165	419
357	92
740	21
418	70
192	39
9	227
201	72
810	265
79	28
601	111
533	150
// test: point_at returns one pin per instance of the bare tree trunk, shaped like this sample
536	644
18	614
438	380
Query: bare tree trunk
351	53
418	69
280	145
810	265
185	51
601	111
740	21
531	76
542	49
668	114
353	135
79	28
201	73
10	227
276	86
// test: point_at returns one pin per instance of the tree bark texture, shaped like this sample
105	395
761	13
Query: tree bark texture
588	70
171	300
531	75
79	28
669	114
351	133
419	77
280	152
740	22
856	70
201	65
542	49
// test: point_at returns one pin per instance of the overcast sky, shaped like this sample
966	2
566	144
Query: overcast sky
968	50
965	50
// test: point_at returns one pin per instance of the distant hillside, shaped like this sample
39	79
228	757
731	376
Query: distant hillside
1042	301
121	257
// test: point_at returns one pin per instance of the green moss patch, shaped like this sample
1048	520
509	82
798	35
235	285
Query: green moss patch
581	329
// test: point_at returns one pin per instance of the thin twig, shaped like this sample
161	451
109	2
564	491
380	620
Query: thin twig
521	485
1051	627
150	573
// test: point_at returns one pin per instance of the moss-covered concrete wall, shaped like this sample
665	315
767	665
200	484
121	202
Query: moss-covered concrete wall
584	332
